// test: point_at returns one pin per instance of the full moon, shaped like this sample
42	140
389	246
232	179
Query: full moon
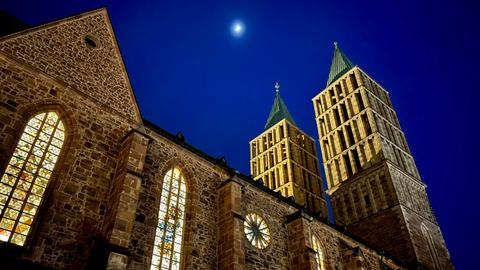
237	29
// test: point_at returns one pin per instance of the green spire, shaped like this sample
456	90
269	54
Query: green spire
340	65
279	111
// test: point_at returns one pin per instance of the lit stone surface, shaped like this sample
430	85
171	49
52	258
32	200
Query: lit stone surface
102	204
373	182
22	186
59	49
285	159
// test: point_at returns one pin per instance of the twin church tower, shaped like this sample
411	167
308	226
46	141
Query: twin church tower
373	183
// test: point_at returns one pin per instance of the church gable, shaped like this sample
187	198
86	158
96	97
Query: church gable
82	52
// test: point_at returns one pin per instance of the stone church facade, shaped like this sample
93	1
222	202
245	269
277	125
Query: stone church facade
87	183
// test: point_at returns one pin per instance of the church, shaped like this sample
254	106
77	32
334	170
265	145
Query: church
87	183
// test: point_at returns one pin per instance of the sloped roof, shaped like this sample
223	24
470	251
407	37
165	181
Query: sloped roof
278	112
340	65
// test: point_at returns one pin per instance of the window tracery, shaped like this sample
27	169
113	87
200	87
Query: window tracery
169	232
256	231
26	177
319	258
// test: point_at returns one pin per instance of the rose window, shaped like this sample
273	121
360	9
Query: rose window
256	231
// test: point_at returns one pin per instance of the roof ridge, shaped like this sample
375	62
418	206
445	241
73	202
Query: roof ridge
53	22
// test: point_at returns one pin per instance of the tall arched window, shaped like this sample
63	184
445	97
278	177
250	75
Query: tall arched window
169	233
27	175
431	246
318	253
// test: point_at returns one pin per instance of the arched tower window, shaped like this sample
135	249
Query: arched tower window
431	246
167	248
319	258
26	177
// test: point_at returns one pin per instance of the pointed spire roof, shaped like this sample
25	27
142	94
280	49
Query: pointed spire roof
279	110
340	65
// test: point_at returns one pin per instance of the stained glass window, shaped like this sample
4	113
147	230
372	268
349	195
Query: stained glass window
169	233
27	174
318	253
256	231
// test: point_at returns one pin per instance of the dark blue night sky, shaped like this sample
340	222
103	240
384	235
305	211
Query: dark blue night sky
190	74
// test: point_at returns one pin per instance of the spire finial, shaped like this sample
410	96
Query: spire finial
340	64
277	87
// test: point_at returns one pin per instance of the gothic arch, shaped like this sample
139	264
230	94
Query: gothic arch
427	236
190	205
26	117
319	247
25	112
66	158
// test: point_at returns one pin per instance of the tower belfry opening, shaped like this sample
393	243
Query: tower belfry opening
374	186
87	183
285	159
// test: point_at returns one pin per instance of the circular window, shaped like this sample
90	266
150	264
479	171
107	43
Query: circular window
90	42
256	231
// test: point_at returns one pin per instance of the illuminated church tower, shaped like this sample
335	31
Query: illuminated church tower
373	182
285	159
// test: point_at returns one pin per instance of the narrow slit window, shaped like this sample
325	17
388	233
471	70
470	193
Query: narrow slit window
254	168
366	124
338	89
344	112
348	165
323	130
367	201
326	146
337	117
341	138
167	247
26	177
353	81
351	138
359	99
285	173
356	159
332	96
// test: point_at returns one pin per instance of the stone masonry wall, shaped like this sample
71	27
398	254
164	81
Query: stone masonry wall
414	224
203	178
69	223
340	251
333	242
231	239
70	226
275	255
59	49
301	254
411	193
366	194
387	231
125	189
53	68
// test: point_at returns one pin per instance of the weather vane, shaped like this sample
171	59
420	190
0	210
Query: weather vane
277	87
336	44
